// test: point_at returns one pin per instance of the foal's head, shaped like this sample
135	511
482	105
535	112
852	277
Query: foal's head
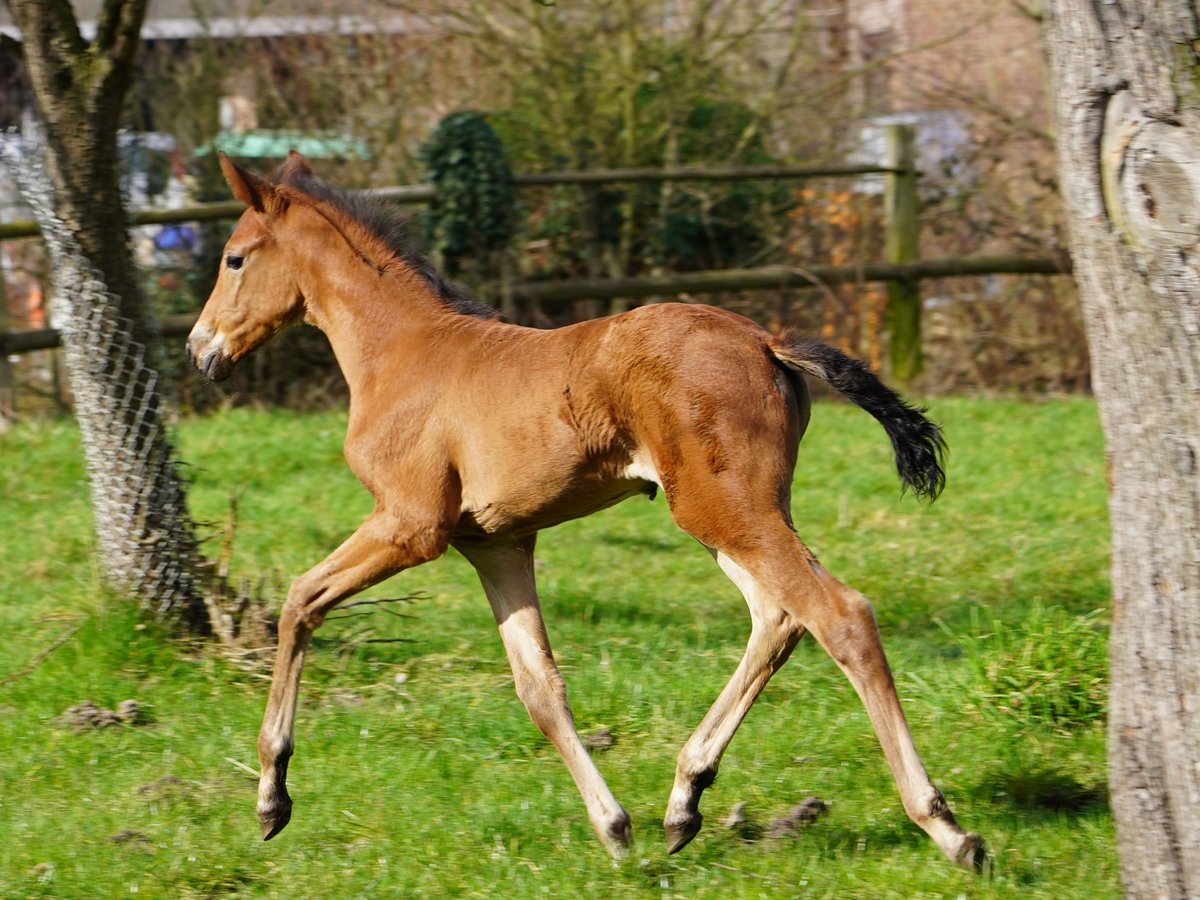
259	289
257	294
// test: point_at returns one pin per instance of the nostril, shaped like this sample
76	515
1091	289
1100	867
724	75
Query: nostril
208	365
215	365
207	352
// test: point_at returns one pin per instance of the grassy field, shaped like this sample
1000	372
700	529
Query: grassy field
418	772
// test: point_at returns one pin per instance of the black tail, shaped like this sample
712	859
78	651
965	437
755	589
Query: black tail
918	443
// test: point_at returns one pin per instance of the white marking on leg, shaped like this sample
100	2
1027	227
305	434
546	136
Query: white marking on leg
744	580
772	637
507	576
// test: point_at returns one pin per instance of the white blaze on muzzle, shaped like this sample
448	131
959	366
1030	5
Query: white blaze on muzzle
206	350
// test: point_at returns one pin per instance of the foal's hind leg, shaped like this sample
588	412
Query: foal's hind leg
506	571
842	620
788	593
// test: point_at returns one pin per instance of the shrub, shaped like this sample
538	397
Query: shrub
475	211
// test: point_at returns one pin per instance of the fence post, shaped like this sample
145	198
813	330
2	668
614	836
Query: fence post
901	245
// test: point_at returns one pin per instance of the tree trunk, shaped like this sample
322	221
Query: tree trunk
146	539
1127	106
80	91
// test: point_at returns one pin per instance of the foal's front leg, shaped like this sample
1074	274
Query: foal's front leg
773	637
506	571
381	547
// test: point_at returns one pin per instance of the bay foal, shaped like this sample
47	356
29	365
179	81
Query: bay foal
476	434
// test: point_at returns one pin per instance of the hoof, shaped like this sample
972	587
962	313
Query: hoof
972	854
616	835
681	831
275	818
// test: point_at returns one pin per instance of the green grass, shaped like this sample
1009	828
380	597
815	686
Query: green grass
439	785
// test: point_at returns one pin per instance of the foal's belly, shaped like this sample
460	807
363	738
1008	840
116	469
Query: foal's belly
529	510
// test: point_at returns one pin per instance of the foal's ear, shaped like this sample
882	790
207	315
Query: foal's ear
295	164
257	193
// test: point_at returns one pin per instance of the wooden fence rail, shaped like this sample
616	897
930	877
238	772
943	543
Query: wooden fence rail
424	193
769	277
765	278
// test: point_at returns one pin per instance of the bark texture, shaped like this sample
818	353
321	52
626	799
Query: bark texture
146	539
1129	146
81	89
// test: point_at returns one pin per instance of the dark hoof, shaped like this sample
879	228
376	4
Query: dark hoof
681	831
275	819
972	854
618	835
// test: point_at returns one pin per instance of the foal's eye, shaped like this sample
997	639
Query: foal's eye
234	261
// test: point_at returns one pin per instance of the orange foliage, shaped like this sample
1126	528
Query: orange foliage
838	226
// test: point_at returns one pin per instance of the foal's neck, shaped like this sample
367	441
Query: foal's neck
379	323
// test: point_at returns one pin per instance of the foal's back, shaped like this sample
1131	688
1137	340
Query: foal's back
565	422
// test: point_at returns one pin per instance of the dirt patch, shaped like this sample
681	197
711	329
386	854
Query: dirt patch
88	715
741	821
601	738
165	786
135	840
803	813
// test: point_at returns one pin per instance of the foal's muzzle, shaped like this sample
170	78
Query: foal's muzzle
207	353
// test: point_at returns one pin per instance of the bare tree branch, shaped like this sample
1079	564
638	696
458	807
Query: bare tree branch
1031	11
979	102
118	28
848	75
767	109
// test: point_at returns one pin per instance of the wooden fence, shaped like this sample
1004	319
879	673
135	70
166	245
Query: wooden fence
901	269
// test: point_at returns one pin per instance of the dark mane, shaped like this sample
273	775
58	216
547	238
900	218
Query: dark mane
394	229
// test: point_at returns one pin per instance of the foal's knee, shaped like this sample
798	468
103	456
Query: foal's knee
290	614
275	748
306	605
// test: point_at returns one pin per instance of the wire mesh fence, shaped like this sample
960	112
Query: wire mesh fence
146	540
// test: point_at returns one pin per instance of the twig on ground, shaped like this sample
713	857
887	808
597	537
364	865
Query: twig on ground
376	601
242	766
41	655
